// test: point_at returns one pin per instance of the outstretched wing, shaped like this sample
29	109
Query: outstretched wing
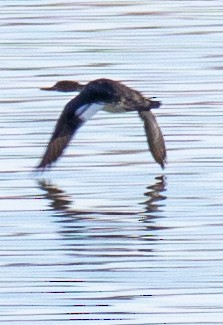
60	139
72	118
155	137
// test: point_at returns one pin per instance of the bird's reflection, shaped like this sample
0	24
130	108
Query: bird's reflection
154	195
59	201
154	204
95	222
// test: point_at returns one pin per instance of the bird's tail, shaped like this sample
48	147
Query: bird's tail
155	104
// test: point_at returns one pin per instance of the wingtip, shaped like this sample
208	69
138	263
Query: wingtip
163	164
42	167
39	170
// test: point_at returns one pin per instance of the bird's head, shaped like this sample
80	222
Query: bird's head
65	86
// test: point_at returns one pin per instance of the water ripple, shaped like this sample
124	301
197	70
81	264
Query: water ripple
104	237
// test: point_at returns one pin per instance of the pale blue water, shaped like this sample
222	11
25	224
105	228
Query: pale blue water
107	237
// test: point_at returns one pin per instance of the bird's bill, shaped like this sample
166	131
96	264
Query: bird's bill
49	88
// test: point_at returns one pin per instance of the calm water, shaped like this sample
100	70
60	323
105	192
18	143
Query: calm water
107	237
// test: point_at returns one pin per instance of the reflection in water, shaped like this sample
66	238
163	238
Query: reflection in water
93	260
108	224
60	201
154	195
153	205
101	253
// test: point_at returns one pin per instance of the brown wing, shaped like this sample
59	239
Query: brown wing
65	128
75	113
155	137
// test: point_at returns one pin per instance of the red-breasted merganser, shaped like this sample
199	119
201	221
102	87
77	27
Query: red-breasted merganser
102	94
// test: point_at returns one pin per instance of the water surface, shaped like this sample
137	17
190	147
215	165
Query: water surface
106	236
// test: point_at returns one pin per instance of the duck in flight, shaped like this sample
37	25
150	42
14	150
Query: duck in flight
101	94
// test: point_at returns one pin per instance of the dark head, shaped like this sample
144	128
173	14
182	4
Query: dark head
65	86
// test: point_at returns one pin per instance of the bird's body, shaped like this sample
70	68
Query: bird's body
107	95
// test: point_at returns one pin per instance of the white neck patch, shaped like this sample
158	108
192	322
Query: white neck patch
85	112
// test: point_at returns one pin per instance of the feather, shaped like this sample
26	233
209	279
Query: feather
62	135
154	136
